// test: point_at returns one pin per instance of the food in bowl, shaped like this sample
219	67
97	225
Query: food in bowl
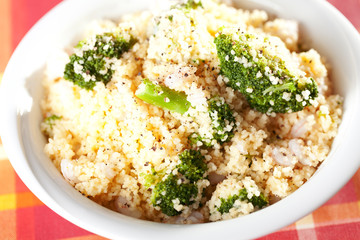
199	113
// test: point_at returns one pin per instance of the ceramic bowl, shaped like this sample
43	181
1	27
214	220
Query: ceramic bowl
322	27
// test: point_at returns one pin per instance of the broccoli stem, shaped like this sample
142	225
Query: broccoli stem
162	97
290	86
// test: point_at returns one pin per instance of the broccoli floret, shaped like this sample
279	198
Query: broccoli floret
94	59
257	201
262	77
50	120
153	177
189	4
182	186
165	192
192	4
232	205
223	123
223	120
192	165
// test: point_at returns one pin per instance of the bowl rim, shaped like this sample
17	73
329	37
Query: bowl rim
12	141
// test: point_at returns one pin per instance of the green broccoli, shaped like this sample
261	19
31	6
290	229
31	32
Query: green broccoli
165	192
223	123
257	201
182	186
50	120
262	77
93	63
192	165
162	97
192	4
153	177
189	4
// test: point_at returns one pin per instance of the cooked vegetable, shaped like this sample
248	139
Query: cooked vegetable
162	97
152	178
165	192
257	201
190	4
192	165
180	188
223	123
93	59
50	120
248	65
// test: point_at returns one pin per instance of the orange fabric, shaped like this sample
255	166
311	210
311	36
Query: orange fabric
24	216
8	225
337	213
5	173
27	199
5	39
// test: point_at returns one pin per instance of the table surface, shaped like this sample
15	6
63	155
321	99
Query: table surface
23	216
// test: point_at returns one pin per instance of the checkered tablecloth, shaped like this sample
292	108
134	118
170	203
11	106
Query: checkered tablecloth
23	216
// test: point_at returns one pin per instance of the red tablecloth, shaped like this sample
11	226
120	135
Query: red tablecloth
23	216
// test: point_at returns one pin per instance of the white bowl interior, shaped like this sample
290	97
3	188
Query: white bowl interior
21	93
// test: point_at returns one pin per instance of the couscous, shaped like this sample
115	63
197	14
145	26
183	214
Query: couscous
200	112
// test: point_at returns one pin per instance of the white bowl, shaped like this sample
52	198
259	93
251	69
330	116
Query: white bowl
323	27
